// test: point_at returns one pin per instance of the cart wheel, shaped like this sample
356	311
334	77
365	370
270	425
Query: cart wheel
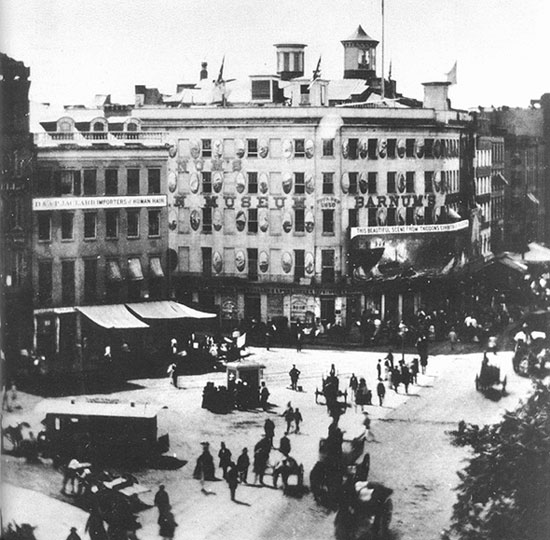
477	382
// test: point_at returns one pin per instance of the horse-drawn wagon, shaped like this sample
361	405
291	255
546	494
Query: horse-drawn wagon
489	377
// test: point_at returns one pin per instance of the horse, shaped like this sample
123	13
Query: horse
14	434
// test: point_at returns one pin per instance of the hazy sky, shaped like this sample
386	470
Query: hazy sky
79	48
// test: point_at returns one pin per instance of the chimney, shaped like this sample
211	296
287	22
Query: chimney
436	95
204	71
140	95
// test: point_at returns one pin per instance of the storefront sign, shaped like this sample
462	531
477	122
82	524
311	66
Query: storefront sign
410	229
328	203
86	203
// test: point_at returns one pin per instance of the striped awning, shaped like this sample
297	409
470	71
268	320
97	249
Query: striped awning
113	316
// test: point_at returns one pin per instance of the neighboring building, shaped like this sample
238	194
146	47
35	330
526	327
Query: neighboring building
299	197
17	161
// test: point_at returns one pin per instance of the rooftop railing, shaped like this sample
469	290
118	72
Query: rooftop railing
87	138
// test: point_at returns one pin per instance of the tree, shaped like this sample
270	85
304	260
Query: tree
504	491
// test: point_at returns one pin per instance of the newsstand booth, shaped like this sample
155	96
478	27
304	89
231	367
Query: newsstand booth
249	372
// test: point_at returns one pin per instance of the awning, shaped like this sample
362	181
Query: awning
155	267
453	214
113	271
112	316
533	199
536	253
135	273
113	408
512	264
166	309
500	178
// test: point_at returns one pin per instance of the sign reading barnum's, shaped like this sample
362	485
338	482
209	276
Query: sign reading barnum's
85	203
410	229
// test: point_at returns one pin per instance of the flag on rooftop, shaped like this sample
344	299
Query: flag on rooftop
451	75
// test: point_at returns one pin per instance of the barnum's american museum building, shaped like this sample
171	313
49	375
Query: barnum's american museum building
287	195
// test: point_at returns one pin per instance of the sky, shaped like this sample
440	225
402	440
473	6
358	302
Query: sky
79	48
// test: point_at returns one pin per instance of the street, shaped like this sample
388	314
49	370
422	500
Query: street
412	453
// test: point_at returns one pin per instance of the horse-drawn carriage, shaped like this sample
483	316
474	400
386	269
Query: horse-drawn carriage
489	377
286	468
330	391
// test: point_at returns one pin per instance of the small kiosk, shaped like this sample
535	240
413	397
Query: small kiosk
248	372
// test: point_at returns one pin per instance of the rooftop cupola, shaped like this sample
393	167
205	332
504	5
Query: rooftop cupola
290	60
360	56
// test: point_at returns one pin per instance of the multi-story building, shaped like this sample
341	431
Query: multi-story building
290	196
17	162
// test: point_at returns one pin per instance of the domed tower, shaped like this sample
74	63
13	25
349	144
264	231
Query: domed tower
360	56
290	60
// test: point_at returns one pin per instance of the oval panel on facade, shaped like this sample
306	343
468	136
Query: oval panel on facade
195	219
437	149
195	148
240	182
217	148
287	222
437	213
309	221
172	220
217	181
419	148
288	148
345	149
309	263
263	183
217	262
287	183
401	148
363	147
172	148
401	182
310	183
363	182
436	181
263	149
239	148
344	183
310	149
419	215
240	260
382	148
194	182
263	219
172	181
240	220
199	164
286	262
263	262
217	219
401	216
382	216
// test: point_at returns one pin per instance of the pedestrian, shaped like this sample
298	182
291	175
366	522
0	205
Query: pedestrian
225	458
288	415
379	369
167	525
172	374
299	337
284	445
361	394
389	357
395	378
232	479
414	370
381	391
369	435
269	428
162	501
73	535
405	377
297	419
387	370
453	338
261	457
423	364
353	384
332	371
243	463
204	469
294	376
95	526
264	396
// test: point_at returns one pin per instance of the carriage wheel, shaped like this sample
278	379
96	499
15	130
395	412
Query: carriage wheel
301	475
385	518
477	382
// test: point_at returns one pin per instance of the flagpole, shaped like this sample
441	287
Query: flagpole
383	82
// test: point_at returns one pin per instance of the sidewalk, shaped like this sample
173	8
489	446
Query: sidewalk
53	519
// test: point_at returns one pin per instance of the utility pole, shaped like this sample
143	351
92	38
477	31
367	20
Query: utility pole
383	89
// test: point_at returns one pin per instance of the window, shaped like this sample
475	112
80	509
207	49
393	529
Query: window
373	148
133	182
299	264
353	148
252	255
328	221
371	217
304	94
111	223
44	226
90	182
328	183
409	147
67	282
44	182
44	282
206	182
428	177
299	148
391	148
154	222
133	223
111	182
252	220
153	181
372	180
286	61
328	147
252	182
67	182
206	147
428	215
327	266
207	220
261	90
327	309
67	223
299	220
352	217
353	182
428	148
392	215
206	261
90	280
409	216
252	147
391	187
299	183
90	222
410	181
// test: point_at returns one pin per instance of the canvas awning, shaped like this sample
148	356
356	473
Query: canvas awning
507	261
532	199
155	267
135	273
112	316
113	271
166	309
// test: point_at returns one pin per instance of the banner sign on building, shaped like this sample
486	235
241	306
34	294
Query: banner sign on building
410	229
86	203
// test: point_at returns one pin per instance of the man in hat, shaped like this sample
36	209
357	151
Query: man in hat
73	535
162	501
204	469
